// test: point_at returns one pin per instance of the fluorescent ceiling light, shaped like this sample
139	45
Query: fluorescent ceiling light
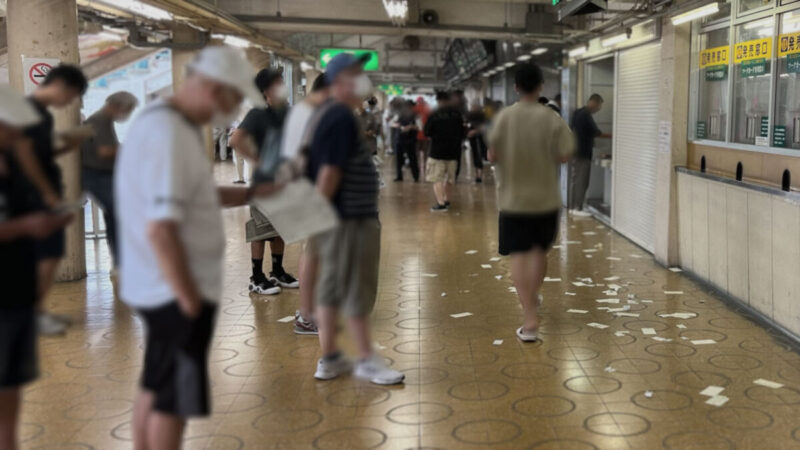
233	41
539	51
141	9
499	68
577	52
487	74
508	64
614	40
397	11
305	66
693	14
523	57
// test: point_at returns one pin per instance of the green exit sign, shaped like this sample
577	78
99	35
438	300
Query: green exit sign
327	54
555	2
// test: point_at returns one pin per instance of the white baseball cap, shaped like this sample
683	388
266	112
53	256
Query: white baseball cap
229	66
15	110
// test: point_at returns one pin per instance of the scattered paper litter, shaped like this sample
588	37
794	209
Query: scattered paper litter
497	342
646	301
287	319
661	339
620	309
444	294
633	302
626	314
614	278
717	400
495	259
498	277
572	242
679	315
616	287
430	275
460	315
613	258
610	369
712	391
486	266
649	331
570	293
648	394
610	292
581	284
675	269
512	289
558	246
588	256
552	280
767	383
607	300
597	325
577	311
673	292
621	333
470	252
703	341
589	250
589	233
681	326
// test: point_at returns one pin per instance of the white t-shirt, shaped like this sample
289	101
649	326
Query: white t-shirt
294	129
163	173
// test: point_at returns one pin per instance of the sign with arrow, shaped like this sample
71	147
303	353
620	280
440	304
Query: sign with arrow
327	54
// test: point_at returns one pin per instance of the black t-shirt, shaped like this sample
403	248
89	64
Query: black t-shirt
445	127
338	141
476	119
410	136
42	136
265	125
585	130
17	260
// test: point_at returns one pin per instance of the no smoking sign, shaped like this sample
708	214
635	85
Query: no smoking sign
35	70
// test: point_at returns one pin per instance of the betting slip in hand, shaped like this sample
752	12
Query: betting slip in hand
298	211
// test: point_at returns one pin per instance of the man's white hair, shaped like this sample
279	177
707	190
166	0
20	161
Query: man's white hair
124	99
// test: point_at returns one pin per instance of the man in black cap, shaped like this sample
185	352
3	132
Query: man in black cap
258	138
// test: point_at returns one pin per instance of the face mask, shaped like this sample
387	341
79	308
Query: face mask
281	93
363	86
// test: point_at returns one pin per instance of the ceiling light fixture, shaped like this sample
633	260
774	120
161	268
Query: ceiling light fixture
539	51
397	11
614	40
141	9
693	14
508	64
578	51
233	41
523	57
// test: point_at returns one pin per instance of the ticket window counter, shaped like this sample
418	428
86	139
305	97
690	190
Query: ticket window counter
599	79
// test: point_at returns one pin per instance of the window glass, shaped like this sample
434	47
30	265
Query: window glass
786	132
712	107
749	5
724	13
752	53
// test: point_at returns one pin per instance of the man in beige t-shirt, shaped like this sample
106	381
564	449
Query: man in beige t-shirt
528	141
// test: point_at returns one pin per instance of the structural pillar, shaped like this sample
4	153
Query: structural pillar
673	126
311	75
49	29
186	42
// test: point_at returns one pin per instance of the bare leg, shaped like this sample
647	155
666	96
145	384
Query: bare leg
141	413
446	191
527	271
359	327
9	415
47	274
164	431
438	192
326	322
308	278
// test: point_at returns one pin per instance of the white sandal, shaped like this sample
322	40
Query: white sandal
525	336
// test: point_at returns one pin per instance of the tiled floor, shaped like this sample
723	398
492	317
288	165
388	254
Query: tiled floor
580	388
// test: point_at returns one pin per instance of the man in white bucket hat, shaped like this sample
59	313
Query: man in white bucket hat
171	239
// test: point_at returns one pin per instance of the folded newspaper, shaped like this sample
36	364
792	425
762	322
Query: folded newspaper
298	211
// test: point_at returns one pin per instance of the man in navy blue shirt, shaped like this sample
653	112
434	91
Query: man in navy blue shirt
340	163
585	130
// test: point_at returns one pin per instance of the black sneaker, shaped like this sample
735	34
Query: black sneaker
478	180
447	204
261	285
284	280
439	208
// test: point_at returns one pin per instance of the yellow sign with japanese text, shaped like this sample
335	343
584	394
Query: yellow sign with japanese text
717	56
788	44
752	50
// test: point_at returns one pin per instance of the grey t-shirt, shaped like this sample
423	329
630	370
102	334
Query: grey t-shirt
105	135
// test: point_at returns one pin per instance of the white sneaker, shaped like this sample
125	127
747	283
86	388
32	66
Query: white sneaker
526	336
49	325
374	370
328	370
580	213
541	300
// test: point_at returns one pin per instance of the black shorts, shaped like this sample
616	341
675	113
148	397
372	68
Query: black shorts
51	247
19	363
176	359
523	232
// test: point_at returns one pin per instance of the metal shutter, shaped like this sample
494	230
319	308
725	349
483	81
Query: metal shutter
636	143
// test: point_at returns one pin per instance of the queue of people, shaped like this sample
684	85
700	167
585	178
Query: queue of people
164	218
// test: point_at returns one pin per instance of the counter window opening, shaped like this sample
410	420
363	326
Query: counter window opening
747	77
786	181
739	171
